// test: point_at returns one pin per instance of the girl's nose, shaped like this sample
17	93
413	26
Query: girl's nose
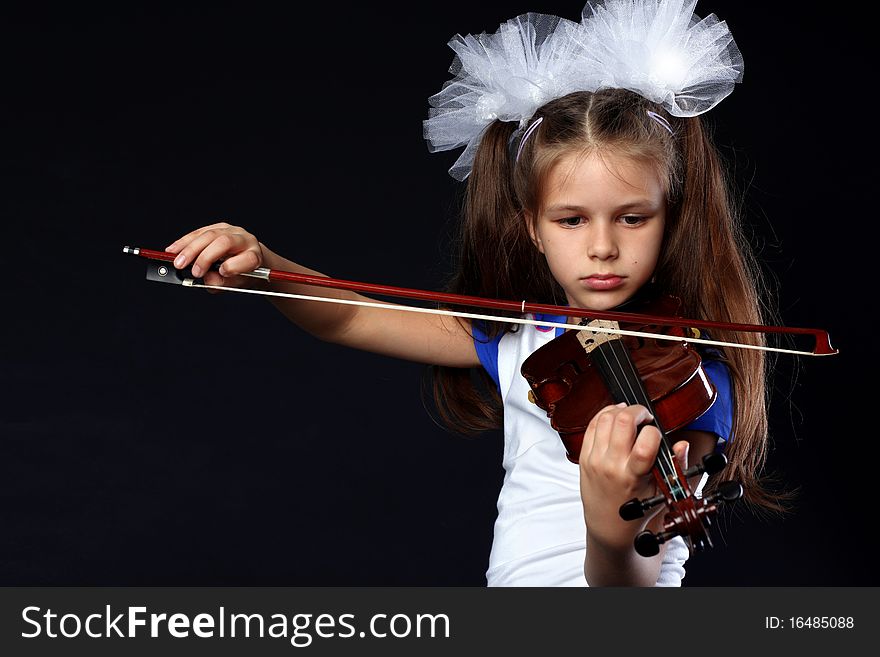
602	245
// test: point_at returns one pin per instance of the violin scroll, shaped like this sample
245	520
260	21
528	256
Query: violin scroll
689	512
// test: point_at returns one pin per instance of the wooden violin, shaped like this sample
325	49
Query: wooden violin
575	375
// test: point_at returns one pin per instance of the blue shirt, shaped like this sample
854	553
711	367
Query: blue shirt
718	419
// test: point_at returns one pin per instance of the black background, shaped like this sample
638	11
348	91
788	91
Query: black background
154	435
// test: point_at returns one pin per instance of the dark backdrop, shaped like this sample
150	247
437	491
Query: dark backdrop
154	435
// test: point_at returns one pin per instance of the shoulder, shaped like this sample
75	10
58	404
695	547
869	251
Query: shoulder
718	419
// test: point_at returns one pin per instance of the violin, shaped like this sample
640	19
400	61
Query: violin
578	373
637	355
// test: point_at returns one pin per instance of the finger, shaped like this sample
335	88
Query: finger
681	449
625	429
246	261
188	251
204	250
181	242
598	430
643	455
223	245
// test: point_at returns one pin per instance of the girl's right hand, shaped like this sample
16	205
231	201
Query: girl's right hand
239	250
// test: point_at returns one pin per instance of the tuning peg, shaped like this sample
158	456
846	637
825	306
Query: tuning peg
710	464
635	508
647	544
728	491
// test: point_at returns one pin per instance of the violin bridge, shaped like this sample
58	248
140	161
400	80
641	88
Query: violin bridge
591	339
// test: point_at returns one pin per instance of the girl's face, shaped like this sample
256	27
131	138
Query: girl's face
601	227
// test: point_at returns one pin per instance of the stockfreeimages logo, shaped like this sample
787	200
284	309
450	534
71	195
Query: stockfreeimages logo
299	629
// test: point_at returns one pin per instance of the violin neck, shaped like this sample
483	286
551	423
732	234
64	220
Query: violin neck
614	364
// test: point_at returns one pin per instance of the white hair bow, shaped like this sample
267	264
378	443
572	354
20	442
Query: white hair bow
656	48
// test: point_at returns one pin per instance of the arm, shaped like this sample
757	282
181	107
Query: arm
431	339
616	465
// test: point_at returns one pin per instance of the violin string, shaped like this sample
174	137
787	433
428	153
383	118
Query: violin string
665	457
628	390
492	318
634	392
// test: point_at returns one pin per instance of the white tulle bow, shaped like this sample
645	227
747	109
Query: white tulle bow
661	50
657	48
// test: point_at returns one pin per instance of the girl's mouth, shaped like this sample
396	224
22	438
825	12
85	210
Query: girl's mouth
602	282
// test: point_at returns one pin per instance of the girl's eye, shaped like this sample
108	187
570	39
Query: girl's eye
632	220
571	222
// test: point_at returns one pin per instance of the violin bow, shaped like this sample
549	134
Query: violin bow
168	274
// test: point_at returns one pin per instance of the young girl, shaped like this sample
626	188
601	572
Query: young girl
590	179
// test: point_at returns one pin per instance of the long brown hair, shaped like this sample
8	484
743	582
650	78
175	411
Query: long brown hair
496	258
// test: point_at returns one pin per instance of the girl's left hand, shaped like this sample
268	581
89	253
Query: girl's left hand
616	460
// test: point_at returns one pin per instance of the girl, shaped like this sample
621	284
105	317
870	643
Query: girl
590	180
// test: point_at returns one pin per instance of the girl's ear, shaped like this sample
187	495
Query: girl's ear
530	226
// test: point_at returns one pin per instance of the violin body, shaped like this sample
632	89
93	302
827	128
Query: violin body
575	375
567	383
